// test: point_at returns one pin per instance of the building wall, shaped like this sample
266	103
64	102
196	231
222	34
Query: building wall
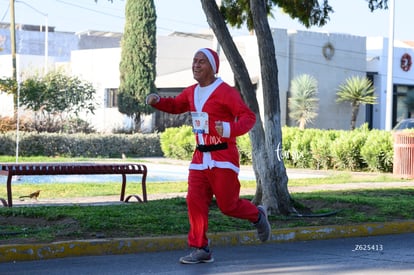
26	65
377	60
101	67
60	44
282	48
348	58
6	100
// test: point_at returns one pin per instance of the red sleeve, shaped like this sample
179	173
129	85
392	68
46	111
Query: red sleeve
226	105
177	105
245	118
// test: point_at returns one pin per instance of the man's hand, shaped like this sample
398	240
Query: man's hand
219	127
152	99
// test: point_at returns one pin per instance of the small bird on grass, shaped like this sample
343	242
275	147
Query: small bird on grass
33	195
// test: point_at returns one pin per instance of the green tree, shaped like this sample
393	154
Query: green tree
357	90
8	85
137	67
269	170
303	103
57	96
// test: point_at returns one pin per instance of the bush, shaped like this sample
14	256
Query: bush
8	144
360	149
10	123
355	150
346	151
297	146
51	124
378	151
289	135
81	145
245	149
321	149
300	151
178	143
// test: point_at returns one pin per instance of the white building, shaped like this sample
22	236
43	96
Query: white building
330	58
403	78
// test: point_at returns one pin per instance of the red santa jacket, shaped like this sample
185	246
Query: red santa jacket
224	104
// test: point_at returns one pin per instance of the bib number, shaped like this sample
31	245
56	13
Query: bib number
200	122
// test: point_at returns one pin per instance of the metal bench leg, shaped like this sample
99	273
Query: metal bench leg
4	202
144	190
123	187
144	187
9	190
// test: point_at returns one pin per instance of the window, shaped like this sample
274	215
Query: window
403	102
111	97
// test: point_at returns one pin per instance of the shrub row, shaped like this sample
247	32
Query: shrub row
357	150
81	145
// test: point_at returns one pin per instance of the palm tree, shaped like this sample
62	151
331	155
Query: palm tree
303	104
357	90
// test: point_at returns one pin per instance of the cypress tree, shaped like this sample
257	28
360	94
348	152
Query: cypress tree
138	54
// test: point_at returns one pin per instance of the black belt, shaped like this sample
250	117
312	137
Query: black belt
213	147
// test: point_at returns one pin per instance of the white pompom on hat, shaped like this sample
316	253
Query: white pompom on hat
212	57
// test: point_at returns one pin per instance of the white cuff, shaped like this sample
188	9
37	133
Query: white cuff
226	130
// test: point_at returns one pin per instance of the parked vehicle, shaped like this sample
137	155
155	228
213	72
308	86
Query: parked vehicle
406	123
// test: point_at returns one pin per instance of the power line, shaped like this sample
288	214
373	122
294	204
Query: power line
89	9
4	16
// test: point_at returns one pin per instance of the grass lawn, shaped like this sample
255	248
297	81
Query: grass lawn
169	216
25	224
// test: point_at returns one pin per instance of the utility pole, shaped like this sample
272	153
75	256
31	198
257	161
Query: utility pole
14	76
390	84
13	40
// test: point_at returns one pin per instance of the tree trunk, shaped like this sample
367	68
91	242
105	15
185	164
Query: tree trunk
276	185
270	173
355	110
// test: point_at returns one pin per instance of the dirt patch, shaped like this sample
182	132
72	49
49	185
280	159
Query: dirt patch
23	221
18	229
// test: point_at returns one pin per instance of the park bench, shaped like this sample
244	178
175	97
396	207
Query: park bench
75	168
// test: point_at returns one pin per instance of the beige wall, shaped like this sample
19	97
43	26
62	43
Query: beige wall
306	56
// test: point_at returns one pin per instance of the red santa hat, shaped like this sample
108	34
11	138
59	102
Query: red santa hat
212	57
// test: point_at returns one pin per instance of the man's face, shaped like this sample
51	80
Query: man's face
202	71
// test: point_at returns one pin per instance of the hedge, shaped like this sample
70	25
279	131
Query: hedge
81	145
358	150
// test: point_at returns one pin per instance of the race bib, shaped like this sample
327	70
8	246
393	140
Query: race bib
200	122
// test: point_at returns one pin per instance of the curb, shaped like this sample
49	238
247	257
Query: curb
98	247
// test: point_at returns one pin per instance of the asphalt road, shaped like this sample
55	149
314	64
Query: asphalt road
389	254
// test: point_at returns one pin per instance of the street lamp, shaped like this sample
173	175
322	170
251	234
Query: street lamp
46	32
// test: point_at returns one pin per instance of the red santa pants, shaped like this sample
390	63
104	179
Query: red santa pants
225	186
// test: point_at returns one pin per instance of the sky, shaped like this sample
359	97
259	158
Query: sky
350	17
